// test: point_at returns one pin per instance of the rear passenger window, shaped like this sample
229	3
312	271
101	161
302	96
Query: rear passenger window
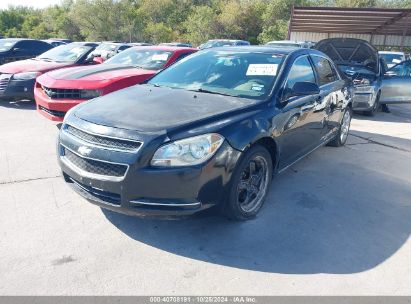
325	70
301	70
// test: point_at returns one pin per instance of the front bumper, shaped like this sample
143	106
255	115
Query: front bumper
53	109
146	190
17	89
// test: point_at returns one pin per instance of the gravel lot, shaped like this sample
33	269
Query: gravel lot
336	223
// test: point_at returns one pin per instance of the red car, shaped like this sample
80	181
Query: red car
17	78
58	91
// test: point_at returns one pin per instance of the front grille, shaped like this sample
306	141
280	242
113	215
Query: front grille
53	112
94	166
62	93
4	81
105	196
112	143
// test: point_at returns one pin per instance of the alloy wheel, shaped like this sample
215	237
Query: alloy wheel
253	184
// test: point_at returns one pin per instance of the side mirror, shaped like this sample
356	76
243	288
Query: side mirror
98	60
305	88
16	49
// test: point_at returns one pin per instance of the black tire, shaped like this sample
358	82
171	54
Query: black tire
243	188
340	140
375	108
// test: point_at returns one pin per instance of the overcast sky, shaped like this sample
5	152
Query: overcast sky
34	3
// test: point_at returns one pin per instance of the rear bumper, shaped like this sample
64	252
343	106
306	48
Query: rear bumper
18	89
53	109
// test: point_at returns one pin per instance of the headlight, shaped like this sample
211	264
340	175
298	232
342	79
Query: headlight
364	89
189	151
89	94
26	75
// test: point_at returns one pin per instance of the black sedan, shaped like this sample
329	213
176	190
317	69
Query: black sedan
14	49
209	131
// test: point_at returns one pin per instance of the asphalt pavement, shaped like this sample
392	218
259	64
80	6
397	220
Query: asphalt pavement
336	223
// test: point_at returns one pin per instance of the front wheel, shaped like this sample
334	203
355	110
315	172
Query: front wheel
342	134
250	183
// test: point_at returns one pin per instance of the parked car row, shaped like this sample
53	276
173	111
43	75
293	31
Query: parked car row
209	130
17	78
202	129
374	82
58	91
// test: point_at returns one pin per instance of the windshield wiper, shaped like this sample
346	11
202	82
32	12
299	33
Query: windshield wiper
154	85
201	90
46	59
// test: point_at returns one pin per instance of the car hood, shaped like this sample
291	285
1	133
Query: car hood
32	65
151	109
350	51
99	72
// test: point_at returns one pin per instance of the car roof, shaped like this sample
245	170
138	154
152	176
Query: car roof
86	43
289	52
232	40
20	39
286	41
256	49
168	48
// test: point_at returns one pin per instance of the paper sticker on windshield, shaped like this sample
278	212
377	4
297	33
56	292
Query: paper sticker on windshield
159	57
257	87
262	70
396	60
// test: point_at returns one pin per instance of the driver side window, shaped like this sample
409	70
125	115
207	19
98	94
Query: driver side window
300	71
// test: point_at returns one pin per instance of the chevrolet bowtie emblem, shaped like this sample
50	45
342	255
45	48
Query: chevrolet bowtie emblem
84	150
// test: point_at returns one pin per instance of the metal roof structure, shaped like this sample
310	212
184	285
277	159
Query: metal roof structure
381	27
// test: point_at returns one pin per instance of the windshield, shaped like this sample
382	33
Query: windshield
242	74
283	45
66	53
6	45
392	58
146	59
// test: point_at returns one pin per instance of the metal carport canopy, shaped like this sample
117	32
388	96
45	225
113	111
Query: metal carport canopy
381	27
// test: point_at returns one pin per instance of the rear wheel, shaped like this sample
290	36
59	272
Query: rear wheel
342	134
250	184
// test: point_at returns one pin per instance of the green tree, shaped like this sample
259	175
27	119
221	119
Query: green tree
159	32
201	25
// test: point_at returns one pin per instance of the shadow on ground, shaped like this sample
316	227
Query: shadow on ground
338	211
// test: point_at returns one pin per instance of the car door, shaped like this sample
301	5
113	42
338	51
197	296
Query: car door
300	133
37	47
396	84
21	50
330	104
